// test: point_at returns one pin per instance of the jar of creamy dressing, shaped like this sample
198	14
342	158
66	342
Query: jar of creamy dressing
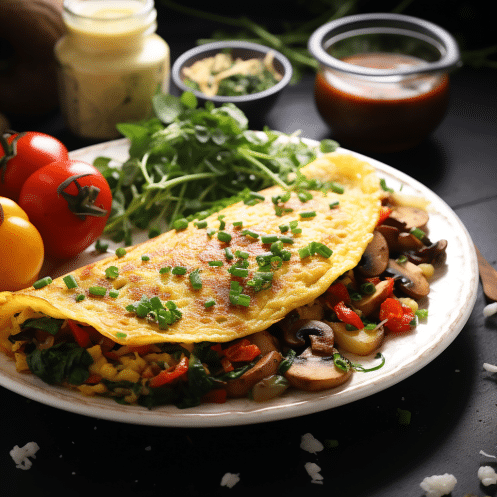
111	63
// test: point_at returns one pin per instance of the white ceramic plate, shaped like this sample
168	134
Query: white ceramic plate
451	300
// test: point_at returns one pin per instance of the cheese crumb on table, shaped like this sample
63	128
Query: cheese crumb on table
230	480
313	471
487	475
311	444
438	485
21	455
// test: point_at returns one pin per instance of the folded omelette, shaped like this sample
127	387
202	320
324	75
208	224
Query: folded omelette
229	275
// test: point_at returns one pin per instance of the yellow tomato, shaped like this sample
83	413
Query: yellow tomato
21	248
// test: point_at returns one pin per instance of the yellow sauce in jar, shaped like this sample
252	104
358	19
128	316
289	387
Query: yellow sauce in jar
111	63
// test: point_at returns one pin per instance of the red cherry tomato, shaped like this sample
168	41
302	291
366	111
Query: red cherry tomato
69	202
22	154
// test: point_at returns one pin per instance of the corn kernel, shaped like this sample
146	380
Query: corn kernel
21	362
128	375
427	269
409	303
91	390
108	371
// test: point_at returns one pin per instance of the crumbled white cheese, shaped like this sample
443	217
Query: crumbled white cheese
490	309
313	471
21	455
487	475
311	444
230	480
438	485
490	367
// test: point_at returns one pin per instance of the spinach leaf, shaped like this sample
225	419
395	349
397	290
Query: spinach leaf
62	362
48	324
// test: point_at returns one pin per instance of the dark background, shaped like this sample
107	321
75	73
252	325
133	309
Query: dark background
452	400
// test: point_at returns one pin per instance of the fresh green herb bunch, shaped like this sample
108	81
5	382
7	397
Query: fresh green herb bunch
189	159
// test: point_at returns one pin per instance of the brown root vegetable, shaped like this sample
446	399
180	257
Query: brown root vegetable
29	30
409	217
361	342
375	258
409	279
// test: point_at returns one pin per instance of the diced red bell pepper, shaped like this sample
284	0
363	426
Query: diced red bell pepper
217	396
398	316
93	379
242	351
80	335
384	214
337	293
348	316
140	349
227	366
170	374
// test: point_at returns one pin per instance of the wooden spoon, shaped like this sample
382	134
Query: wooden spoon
488	277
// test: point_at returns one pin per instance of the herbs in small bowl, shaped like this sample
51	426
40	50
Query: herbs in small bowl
249	75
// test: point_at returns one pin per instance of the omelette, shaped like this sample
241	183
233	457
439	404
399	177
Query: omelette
224	277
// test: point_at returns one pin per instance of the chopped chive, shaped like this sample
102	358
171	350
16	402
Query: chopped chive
304	196
418	233
114	294
284	228
80	297
111	272
238	224
43	282
250	233
145	257
296	231
334	205
180	224
178	270
209	303
370	327
401	259
228	253
97	291
195	279
269	238
164	270
119	334
222	236
222	224
101	247
200	224
335	187
323	250
238	271
243	300
120	252
286	239
70	281
216	263
384	186
304	252
421	313
242	254
368	288
355	296
210	232
307	214
255	195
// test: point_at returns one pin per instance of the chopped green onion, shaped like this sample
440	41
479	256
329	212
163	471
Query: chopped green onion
120	252
43	282
421	313
335	187
243	300
287	361
242	254
195	279
97	291
216	263
80	297
307	214
401	259
368	288
70	281
120	334
209	303
228	253
356	296
200	224
418	233
384	186
284	228
304	252
341	362
238	224
238	271
334	205
250	233
178	270
145	257
370	327
101	247
286	239
114	294
210	232
111	272
164	270
269	238
222	224
222	236
350	327
180	224
304	196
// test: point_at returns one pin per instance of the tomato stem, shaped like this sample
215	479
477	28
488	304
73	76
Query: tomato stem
83	203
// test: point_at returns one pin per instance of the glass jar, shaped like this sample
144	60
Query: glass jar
111	62
383	82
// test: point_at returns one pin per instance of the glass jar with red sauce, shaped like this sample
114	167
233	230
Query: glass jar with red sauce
383	80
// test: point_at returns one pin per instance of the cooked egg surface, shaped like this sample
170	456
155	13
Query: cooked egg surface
345	228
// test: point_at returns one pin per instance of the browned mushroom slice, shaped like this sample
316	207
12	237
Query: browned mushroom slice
391	235
370	304
375	258
407	241
264	367
265	341
409	278
409	217
431	254
305	331
314	373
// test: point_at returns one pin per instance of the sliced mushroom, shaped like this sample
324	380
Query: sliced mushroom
375	258
314	373
409	278
407	241
305	331
370	304
264	367
409	217
269	387
431	254
361	342
265	341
